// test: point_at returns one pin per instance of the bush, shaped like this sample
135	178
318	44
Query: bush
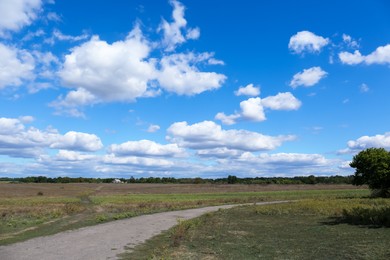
377	216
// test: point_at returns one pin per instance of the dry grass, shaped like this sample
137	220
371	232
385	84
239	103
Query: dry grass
25	214
9	190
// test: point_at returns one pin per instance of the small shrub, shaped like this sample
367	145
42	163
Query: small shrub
71	208
181	231
101	218
376	216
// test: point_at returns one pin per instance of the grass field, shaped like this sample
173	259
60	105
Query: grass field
30	210
311	228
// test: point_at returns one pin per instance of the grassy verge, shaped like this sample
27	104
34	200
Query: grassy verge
312	228
22	218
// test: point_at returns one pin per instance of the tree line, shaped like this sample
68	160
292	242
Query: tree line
231	179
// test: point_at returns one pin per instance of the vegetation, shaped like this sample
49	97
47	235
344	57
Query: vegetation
25	214
373	168
231	179
312	228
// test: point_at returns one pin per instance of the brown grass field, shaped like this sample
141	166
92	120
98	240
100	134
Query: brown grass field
34	209
10	190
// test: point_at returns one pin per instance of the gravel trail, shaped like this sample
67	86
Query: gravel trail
103	241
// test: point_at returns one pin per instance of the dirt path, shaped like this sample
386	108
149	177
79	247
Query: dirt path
102	241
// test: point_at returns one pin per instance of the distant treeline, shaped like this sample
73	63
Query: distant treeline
229	180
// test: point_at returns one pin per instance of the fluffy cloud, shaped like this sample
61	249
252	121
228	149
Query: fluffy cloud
16	66
15	14
124	71
18	141
307	41
110	72
308	77
146	148
227	119
209	135
78	141
249	90
351	58
179	74
252	109
364	142
153	128
66	155
287	159
282	101
176	33
380	56
147	163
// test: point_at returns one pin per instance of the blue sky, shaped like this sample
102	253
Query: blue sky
191	88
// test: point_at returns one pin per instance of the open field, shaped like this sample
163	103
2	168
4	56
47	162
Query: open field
8	190
30	210
307	229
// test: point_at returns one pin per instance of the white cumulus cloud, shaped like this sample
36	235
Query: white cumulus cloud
308	77
15	14
249	90
110	72
209	135
282	101
253	109
16	140
364	142
306	41
179	74
380	56
78	141
146	148
351	58
153	128
16	65
227	119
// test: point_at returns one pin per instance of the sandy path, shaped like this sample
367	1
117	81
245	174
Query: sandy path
102	241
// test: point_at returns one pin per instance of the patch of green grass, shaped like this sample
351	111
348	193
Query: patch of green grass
297	230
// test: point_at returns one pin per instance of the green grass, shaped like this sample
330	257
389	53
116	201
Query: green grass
311	228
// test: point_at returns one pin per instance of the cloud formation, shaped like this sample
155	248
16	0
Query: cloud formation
123	71
179	74
176	33
15	14
18	141
249	90
364	142
209	135
380	56
146	148
306	41
253	109
16	65
308	77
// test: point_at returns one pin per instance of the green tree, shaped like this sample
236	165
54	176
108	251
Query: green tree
373	168
231	179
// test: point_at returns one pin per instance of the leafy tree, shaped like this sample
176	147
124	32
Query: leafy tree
231	179
373	168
